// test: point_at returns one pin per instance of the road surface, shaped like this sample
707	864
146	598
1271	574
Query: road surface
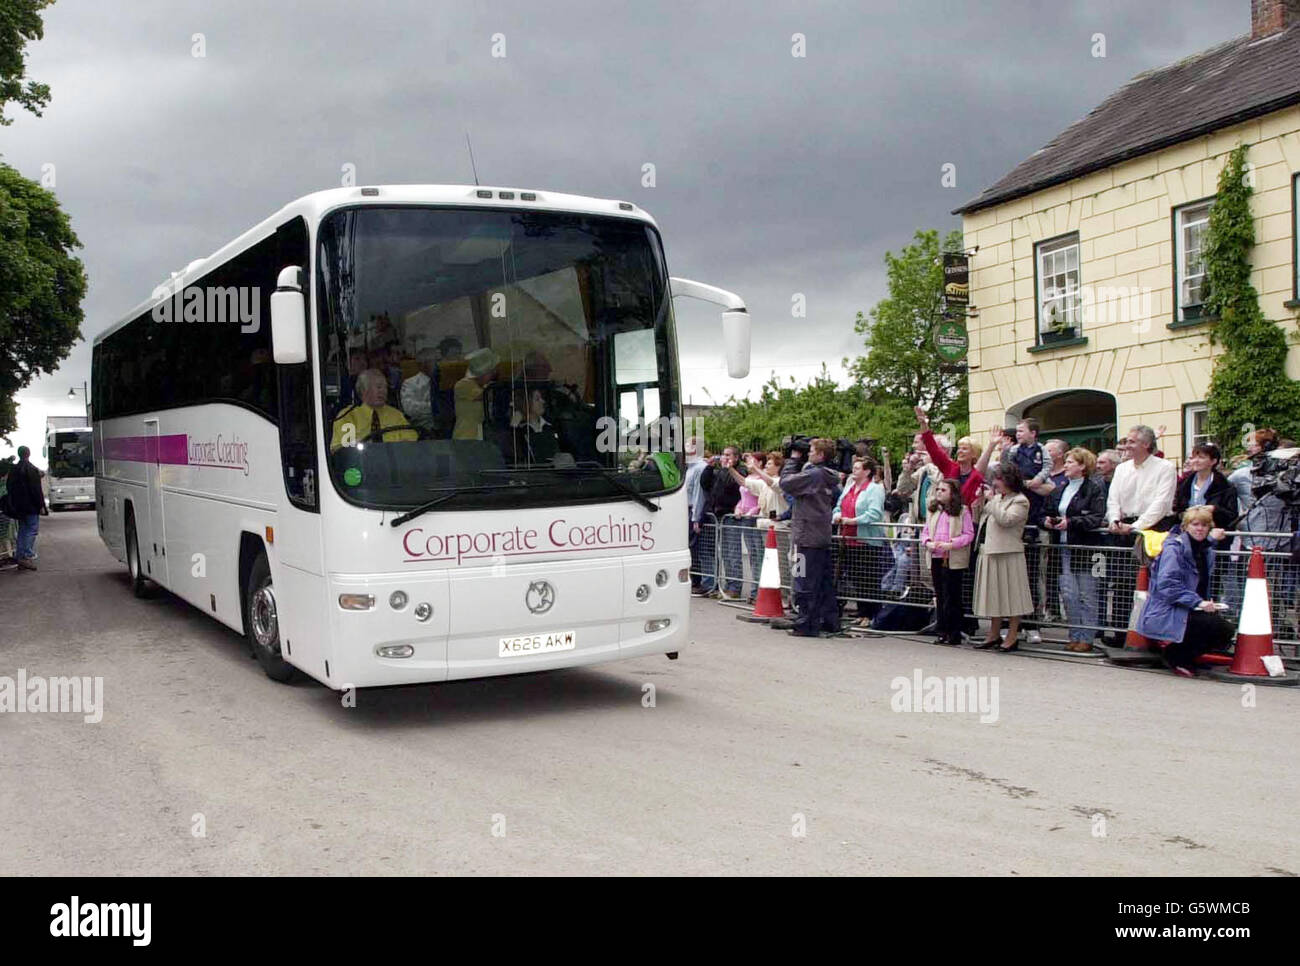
762	754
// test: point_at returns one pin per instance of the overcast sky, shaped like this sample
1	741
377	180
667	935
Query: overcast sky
775	174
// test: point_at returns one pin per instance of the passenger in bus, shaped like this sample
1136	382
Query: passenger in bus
469	393
393	366
425	403
368	419
449	350
534	437
417	392
356	366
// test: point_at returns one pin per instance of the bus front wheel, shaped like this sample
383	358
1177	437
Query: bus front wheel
262	623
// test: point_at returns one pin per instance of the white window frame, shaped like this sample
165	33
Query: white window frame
1058	261
1190	437
1199	212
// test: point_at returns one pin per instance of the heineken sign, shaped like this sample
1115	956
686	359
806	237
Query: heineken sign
951	341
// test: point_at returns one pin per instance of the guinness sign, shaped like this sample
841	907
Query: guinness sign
956	284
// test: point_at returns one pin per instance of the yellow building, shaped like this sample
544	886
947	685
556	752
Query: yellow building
1085	288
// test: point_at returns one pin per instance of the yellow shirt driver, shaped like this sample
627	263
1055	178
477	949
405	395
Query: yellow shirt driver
358	422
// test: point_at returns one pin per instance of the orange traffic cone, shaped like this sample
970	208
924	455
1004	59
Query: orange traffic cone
1254	632
1133	641
1138	650
767	603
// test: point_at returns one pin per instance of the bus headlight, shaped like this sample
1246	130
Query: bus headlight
394	650
643	593
684	575
657	624
397	599
661	579
357	601
423	611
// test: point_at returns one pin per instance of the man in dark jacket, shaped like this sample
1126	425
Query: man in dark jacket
722	495
27	503
814	485
1073	516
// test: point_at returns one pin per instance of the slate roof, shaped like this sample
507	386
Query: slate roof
1214	89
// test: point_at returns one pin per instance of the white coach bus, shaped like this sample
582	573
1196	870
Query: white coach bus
70	467
373	434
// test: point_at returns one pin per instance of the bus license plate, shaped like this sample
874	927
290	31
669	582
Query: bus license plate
538	644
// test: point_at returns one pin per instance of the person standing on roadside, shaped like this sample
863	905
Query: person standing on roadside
1141	494
1030	458
27	503
813	484
723	493
695	513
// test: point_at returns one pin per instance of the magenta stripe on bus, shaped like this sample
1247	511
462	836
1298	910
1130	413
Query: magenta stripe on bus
148	449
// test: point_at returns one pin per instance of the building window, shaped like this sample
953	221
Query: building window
1295	238
1060	302
1190	224
1196	418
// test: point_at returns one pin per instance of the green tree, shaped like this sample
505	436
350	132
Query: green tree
41	282
901	366
41	288
20	22
1249	384
819	408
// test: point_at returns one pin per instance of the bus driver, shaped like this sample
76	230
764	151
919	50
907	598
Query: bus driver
371	415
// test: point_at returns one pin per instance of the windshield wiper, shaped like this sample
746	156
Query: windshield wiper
451	493
590	471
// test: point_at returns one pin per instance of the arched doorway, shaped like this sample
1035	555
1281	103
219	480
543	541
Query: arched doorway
1081	417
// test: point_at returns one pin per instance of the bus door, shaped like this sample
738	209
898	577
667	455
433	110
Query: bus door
155	551
300	575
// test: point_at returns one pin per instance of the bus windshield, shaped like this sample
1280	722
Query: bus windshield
70	455
526	358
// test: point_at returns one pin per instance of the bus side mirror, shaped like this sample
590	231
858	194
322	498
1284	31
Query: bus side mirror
289	318
735	320
735	340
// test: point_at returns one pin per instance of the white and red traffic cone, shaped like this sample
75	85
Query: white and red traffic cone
1254	632
1138	649
767	603
1134	641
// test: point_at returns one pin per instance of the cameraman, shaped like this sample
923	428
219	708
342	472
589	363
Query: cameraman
813	484
1271	512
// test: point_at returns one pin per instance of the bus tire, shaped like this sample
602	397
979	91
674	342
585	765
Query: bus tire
262	625
139	582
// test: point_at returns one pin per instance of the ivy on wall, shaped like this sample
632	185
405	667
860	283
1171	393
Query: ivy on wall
1249	384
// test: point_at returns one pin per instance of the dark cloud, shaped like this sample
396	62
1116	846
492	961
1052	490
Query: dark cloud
775	174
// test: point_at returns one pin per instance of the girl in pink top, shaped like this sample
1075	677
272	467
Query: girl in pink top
947	537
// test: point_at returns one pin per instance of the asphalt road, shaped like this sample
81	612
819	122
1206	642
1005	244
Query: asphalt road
754	736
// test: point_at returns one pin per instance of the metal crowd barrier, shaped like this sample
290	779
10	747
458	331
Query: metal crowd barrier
1100	579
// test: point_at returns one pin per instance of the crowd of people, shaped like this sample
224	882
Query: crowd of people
1008	530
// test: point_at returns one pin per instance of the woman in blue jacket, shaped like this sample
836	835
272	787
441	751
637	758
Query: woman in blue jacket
1178	608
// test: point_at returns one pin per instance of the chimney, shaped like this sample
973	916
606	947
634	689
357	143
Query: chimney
1270	16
